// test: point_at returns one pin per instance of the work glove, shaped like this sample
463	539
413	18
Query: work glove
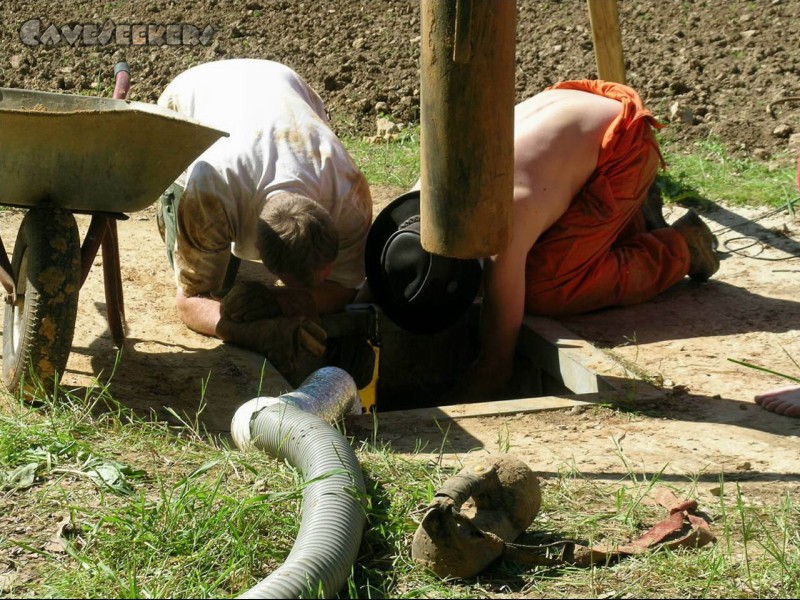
250	301
289	343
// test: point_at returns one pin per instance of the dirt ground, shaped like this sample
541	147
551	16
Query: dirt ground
721	62
706	424
705	68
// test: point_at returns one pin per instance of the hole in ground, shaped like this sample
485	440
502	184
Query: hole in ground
416	371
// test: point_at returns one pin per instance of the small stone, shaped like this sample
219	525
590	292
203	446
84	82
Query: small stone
783	131
386	126
682	113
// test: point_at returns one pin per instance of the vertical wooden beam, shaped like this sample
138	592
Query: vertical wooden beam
467	119
607	40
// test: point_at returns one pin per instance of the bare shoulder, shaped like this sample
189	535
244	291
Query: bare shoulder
566	109
562	125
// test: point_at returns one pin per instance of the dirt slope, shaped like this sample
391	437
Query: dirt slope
716	65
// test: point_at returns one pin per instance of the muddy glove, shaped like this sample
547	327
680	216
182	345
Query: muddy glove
250	301
287	341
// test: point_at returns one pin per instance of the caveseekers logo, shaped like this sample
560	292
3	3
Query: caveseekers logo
31	33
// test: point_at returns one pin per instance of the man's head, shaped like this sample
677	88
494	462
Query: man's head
297	240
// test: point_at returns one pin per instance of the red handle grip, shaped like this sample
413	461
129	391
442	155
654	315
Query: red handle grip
122	80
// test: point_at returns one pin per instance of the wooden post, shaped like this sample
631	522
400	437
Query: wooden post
607	40
467	126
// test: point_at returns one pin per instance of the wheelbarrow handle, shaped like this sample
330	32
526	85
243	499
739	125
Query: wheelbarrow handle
122	80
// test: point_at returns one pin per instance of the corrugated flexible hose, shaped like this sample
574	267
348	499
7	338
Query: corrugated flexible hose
293	427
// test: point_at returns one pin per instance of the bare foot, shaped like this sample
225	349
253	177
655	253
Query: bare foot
783	401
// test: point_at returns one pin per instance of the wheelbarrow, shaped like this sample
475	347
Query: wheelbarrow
62	155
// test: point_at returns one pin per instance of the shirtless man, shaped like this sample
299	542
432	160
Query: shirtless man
585	159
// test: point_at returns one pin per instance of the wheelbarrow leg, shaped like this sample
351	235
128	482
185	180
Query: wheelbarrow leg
91	243
112	278
102	232
7	275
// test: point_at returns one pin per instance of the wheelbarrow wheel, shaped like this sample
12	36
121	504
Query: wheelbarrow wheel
39	326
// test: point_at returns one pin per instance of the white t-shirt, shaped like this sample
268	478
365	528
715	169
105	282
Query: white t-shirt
280	141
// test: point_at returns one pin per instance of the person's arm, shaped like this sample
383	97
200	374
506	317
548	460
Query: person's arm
202	250
536	207
198	313
502	311
202	314
331	297
503	308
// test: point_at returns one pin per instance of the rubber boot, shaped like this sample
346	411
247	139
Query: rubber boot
653	209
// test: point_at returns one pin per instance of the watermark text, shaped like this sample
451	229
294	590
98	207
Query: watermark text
34	33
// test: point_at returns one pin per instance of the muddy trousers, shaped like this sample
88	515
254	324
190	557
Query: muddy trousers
167	220
599	254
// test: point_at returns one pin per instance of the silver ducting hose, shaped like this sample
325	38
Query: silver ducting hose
293	427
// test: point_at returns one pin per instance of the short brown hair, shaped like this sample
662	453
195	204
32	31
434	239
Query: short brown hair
296	236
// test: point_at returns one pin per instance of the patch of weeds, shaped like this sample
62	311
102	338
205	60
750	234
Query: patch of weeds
207	521
217	527
393	163
398	491
708	174
676	189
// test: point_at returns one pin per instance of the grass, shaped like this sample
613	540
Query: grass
394	163
98	502
703	175
181	514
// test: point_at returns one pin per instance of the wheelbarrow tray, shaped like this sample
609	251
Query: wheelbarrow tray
88	154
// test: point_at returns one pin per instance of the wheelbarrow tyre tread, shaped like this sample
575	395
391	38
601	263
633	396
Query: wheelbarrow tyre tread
38	330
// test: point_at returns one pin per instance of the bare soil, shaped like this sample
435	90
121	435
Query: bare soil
705	68
681	342
724	62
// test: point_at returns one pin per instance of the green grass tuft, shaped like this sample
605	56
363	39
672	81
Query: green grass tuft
394	163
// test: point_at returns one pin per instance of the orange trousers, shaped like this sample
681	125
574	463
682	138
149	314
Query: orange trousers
599	254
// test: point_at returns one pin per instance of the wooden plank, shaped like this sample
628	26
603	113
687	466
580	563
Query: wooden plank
499	407
607	40
567	357
480	409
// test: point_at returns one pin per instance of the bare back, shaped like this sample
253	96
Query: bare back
557	139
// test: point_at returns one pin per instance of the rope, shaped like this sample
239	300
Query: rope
771	105
754	240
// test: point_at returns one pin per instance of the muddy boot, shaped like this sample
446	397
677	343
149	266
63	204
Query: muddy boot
652	209
703	259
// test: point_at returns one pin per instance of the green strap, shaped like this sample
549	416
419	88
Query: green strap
168	225
168	217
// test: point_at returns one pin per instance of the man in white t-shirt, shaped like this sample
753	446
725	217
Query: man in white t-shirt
280	189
